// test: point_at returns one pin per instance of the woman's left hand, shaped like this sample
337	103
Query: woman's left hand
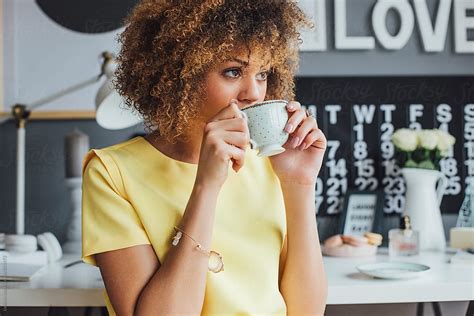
304	150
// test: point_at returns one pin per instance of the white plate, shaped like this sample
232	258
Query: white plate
393	270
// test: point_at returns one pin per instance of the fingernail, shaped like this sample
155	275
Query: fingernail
290	107
307	146
301	140
303	146
289	128
295	142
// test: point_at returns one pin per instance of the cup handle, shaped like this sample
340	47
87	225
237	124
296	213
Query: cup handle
253	144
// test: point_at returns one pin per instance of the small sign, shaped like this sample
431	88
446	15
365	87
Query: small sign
362	212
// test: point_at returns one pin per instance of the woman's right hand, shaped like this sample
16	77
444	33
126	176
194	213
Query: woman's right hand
225	139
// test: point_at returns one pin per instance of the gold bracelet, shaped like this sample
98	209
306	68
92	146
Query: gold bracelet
215	264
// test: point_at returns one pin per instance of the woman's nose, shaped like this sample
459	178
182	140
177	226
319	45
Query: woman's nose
250	91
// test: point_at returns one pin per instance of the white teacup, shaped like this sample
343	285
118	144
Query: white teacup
266	121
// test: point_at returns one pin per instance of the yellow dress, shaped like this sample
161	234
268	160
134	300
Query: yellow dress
133	194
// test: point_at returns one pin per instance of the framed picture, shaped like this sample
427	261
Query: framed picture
50	45
362	212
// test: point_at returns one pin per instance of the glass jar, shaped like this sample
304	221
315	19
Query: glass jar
403	241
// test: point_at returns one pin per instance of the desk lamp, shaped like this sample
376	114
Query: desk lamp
110	114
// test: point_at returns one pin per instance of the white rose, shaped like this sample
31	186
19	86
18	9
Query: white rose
405	139
445	140
428	138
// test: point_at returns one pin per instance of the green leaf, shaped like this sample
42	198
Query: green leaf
410	163
427	164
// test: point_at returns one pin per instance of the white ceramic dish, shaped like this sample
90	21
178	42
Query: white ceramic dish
393	270
350	251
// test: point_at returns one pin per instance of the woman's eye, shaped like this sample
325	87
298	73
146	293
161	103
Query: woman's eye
263	75
232	73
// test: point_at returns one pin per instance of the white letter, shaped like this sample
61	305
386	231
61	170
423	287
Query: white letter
342	40
364	113
461	24
416	110
387	110
433	37
314	40
443	112
469	112
407	22
333	109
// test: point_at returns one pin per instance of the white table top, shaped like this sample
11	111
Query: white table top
443	282
81	284
78	285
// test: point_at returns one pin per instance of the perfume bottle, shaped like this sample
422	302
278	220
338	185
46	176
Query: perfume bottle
403	241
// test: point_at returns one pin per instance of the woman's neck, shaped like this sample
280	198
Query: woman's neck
182	151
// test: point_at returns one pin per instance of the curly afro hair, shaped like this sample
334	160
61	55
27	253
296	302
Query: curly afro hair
168	45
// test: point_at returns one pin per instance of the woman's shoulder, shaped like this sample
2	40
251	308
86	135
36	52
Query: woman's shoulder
131	146
113	159
117	152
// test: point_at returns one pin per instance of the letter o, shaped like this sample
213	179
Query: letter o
407	23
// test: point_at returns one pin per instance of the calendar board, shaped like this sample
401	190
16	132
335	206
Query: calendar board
359	115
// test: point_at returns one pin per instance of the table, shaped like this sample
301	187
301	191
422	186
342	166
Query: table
81	284
444	282
78	285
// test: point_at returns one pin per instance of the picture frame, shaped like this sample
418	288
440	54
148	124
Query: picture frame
44	71
362	212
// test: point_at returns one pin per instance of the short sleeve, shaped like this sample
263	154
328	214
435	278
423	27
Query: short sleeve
109	221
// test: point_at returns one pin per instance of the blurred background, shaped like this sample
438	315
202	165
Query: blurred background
49	46
370	68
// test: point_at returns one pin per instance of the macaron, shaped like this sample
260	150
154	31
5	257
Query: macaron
374	238
355	240
333	241
347	250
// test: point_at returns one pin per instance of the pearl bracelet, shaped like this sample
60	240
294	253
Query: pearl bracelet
215	264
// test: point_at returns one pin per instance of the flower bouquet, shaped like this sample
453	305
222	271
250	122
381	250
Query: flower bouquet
419	154
421	148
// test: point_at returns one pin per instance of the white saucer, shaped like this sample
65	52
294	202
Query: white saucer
393	270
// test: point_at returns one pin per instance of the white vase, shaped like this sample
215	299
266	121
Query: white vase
422	201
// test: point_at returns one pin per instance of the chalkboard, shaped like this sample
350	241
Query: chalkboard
358	116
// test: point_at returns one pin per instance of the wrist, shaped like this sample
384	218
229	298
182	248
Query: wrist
206	188
298	198
290	187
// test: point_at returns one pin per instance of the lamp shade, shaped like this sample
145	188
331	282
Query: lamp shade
111	111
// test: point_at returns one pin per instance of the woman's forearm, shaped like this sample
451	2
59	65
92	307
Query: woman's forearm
303	282
179	284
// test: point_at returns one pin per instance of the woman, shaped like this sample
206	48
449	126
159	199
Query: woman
162	213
